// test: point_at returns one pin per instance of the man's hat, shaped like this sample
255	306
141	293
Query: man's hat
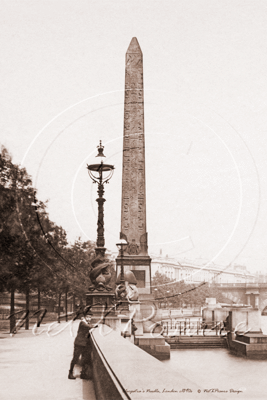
88	313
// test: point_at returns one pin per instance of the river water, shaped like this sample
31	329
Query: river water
218	369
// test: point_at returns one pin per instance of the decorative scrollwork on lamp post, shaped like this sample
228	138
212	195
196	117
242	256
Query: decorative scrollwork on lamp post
100	173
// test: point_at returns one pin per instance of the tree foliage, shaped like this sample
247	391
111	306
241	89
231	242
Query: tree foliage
34	252
179	294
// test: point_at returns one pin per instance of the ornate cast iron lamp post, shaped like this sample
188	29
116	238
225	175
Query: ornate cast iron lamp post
122	246
100	174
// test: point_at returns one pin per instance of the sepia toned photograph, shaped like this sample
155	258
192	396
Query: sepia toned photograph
133	200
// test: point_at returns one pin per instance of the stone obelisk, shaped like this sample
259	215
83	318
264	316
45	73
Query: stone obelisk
133	207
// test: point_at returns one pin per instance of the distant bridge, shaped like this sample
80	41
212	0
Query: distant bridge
254	294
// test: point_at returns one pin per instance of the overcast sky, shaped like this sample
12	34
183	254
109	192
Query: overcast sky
205	82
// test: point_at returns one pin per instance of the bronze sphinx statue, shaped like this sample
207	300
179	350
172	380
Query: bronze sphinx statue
127	289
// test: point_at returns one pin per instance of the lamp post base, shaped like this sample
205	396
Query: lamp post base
99	300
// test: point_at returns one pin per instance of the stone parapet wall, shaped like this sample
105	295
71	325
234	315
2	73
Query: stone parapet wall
106	384
122	370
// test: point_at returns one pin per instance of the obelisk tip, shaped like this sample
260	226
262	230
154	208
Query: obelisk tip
134	46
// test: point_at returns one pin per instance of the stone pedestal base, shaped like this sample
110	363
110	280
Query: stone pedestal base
148	336
123	307
99	299
102	304
137	317
250	345
153	345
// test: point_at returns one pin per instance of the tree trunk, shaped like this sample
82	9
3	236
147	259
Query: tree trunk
27	307
12	310
38	304
39	298
66	303
58	311
73	303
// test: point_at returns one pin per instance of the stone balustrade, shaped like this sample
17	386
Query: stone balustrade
122	370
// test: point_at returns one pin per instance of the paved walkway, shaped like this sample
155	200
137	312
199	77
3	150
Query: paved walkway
36	367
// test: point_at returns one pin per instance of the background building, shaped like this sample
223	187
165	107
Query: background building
196	271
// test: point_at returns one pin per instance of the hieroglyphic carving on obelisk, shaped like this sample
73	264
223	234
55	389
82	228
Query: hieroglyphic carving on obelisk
133	212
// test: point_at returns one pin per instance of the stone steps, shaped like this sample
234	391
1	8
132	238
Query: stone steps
196	342
197	346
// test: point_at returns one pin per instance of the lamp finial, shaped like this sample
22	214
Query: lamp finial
100	149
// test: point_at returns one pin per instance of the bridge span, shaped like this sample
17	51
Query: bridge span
254	294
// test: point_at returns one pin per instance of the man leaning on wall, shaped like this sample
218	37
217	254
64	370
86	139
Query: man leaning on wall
82	348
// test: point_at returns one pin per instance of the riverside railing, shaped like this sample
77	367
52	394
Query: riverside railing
189	327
